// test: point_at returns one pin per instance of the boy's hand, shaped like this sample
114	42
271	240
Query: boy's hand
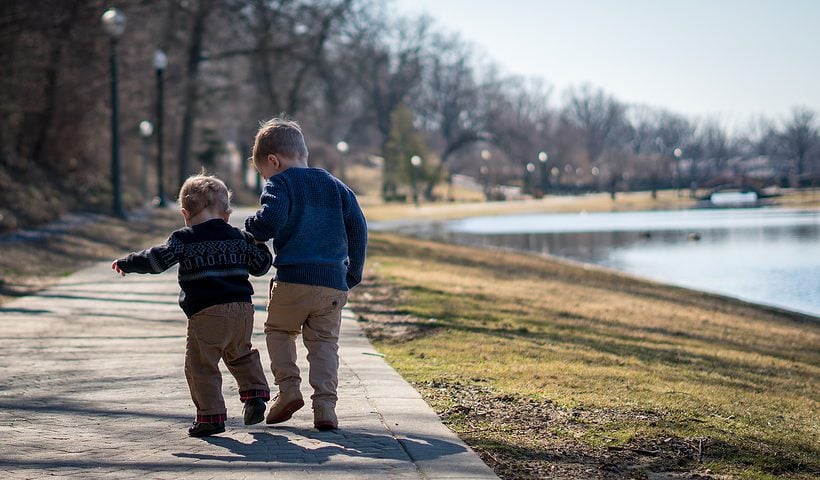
117	268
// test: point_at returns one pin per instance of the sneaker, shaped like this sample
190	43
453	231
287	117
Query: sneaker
254	411
284	406
202	429
324	418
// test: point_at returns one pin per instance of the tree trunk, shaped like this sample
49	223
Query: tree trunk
46	117
191	88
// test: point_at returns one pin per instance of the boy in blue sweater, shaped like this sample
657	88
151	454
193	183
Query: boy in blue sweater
214	262
319	238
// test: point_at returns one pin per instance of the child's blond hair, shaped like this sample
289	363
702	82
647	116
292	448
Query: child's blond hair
279	136
201	191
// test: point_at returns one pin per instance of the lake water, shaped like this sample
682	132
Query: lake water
766	256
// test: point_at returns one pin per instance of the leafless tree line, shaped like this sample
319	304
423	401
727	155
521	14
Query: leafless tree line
345	69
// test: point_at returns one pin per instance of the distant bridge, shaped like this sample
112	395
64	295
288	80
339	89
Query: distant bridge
738	183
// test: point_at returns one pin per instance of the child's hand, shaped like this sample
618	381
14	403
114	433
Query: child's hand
117	268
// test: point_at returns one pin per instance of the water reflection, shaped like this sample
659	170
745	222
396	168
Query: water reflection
767	256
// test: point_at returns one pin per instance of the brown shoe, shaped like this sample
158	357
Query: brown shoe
284	406
324	417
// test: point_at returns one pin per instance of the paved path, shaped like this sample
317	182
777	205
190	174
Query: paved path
92	386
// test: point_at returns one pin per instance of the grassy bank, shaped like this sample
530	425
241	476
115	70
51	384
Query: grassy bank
40	259
548	368
377	210
594	202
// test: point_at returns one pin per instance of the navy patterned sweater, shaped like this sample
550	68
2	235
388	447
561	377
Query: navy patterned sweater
319	232
214	260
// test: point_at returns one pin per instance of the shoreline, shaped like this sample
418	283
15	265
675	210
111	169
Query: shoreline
587	266
427	228
774	309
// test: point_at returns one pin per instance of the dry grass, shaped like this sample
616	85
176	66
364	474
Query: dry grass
377	210
28	266
551	369
809	198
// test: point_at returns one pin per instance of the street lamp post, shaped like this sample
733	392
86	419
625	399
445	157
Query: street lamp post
146	130
160	63
485	180
343	148
485	170
113	22
677	153
415	163
567	177
528	178
595	171
543	157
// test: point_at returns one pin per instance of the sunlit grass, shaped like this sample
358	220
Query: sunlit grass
376	210
469	205
661	361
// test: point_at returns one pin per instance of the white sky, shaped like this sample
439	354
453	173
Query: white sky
734	59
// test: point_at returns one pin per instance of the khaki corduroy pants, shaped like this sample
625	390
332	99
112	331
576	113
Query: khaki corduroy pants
221	332
316	313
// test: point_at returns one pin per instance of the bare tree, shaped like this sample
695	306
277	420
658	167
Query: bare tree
800	137
566	147
286	42
387	71
193	59
597	114
601	119
715	146
654	137
518	124
282	48
449	101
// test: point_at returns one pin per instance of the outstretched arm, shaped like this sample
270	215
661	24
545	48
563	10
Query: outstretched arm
151	260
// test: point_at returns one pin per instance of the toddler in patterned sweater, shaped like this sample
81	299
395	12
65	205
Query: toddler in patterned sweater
214	260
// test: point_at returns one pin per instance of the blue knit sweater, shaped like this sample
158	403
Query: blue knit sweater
319	232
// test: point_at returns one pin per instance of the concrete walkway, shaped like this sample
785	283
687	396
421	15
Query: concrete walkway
92	386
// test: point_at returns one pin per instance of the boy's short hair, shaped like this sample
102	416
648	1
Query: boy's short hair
279	136
201	191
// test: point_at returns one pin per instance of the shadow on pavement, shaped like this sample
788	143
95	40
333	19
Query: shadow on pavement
46	405
106	298
271	447
25	311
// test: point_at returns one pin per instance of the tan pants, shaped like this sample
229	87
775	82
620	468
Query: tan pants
316	313
221	332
